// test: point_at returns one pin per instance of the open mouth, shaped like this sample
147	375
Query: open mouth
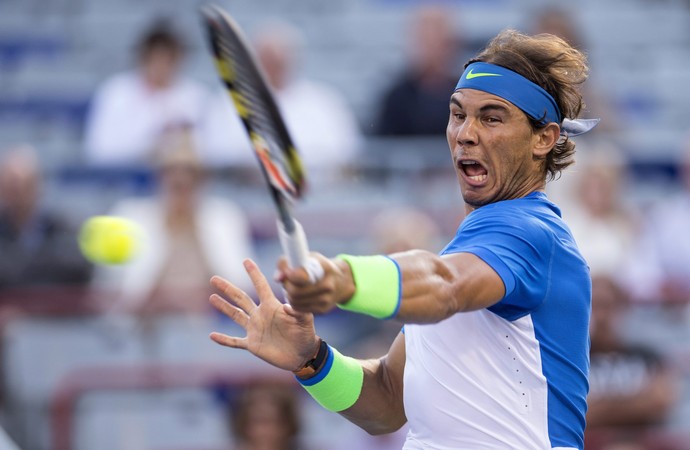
473	170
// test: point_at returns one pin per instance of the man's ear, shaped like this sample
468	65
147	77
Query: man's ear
546	139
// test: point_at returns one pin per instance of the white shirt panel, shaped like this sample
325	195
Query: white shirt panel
474	381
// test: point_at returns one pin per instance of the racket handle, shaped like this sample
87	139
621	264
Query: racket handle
296	250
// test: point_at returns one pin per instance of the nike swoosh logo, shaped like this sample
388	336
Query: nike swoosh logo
471	74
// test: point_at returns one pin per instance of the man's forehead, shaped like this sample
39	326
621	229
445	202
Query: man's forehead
473	98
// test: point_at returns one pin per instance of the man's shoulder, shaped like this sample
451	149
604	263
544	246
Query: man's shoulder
520	213
511	224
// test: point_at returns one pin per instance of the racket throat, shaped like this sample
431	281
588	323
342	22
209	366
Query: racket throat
294	244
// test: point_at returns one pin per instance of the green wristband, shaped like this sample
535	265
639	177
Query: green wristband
338	384
377	286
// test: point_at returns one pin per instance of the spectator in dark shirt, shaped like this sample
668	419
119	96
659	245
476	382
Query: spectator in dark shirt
417	101
632	389
38	247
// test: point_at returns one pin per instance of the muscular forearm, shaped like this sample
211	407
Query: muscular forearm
367	393
379	409
434	288
430	287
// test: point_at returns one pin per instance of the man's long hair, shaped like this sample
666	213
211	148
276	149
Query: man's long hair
553	64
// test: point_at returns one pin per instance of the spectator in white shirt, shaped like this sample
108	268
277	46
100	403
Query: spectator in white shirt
131	109
317	116
603	224
664	272
189	234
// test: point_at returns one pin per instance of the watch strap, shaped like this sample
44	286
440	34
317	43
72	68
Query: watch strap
315	364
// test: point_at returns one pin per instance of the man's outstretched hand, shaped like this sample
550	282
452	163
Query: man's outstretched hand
275	332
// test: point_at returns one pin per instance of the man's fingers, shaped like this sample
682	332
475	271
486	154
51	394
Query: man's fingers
311	274
240	317
281	268
263	289
297	276
228	341
237	295
309	291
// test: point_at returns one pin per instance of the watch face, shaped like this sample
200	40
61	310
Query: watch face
313	365
306	371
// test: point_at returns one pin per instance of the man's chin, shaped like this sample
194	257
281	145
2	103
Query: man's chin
474	201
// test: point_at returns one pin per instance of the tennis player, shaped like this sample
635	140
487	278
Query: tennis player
494	350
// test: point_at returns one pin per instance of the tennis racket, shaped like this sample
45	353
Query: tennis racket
279	161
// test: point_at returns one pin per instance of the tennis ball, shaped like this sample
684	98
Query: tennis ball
109	240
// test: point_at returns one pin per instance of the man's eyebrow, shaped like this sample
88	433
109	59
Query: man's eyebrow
492	107
483	109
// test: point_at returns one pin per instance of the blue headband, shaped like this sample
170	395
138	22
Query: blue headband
521	92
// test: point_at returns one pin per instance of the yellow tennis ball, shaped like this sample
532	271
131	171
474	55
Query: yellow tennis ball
109	239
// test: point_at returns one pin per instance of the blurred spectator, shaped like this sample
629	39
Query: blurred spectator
603	225
317	116
663	269
38	246
560	22
404	228
189	236
632	389
417	101
130	110
563	23
266	417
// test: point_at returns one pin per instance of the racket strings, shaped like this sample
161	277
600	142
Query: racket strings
254	101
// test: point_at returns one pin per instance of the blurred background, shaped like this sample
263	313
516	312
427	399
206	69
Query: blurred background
115	108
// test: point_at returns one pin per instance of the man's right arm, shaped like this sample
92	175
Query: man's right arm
368	393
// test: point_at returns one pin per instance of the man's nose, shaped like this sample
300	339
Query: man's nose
466	133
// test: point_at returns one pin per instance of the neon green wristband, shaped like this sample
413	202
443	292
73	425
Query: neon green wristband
377	286
338	384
